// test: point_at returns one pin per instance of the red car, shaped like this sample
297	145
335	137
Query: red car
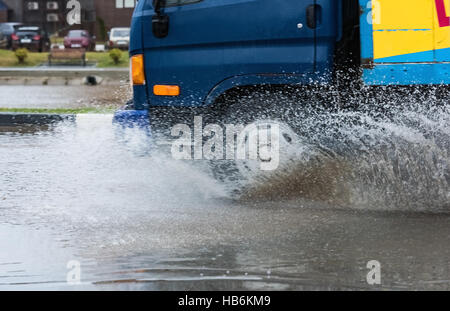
77	39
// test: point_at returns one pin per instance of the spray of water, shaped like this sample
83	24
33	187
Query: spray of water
389	156
111	194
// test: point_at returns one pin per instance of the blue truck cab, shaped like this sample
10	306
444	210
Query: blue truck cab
186	55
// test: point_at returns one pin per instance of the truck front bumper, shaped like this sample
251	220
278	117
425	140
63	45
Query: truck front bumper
132	119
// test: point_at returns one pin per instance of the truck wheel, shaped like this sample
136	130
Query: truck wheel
259	113
280	144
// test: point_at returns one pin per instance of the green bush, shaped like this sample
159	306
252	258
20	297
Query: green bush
115	55
21	55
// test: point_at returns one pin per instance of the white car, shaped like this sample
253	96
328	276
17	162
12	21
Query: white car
119	38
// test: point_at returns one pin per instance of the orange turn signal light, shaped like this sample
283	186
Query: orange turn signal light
166	90
137	69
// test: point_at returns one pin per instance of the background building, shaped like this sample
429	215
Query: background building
4	12
97	16
113	13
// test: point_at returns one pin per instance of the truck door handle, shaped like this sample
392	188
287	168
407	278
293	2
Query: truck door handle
313	16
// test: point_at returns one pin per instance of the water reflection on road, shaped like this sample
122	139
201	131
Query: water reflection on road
68	97
140	222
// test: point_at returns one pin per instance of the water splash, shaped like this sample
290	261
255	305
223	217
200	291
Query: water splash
394	156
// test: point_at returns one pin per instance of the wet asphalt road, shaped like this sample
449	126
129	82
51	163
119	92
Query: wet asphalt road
137	222
69	97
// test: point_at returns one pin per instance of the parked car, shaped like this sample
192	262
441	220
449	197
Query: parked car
31	37
7	29
77	39
119	38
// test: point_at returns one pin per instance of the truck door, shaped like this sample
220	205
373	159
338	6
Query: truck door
212	40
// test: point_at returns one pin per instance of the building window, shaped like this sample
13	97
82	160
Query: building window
52	17
52	5
120	4
33	6
130	3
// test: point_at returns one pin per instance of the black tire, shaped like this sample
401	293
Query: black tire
242	107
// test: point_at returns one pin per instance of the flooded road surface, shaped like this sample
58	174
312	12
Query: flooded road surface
70	97
74	194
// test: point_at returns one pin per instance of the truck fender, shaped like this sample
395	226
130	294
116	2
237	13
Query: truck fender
256	79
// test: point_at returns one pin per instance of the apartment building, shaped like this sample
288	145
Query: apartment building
97	16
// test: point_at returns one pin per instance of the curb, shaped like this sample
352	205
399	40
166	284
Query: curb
17	119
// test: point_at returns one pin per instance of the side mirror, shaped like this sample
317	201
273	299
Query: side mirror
160	21
160	24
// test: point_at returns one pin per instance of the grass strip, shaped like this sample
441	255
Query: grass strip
59	110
